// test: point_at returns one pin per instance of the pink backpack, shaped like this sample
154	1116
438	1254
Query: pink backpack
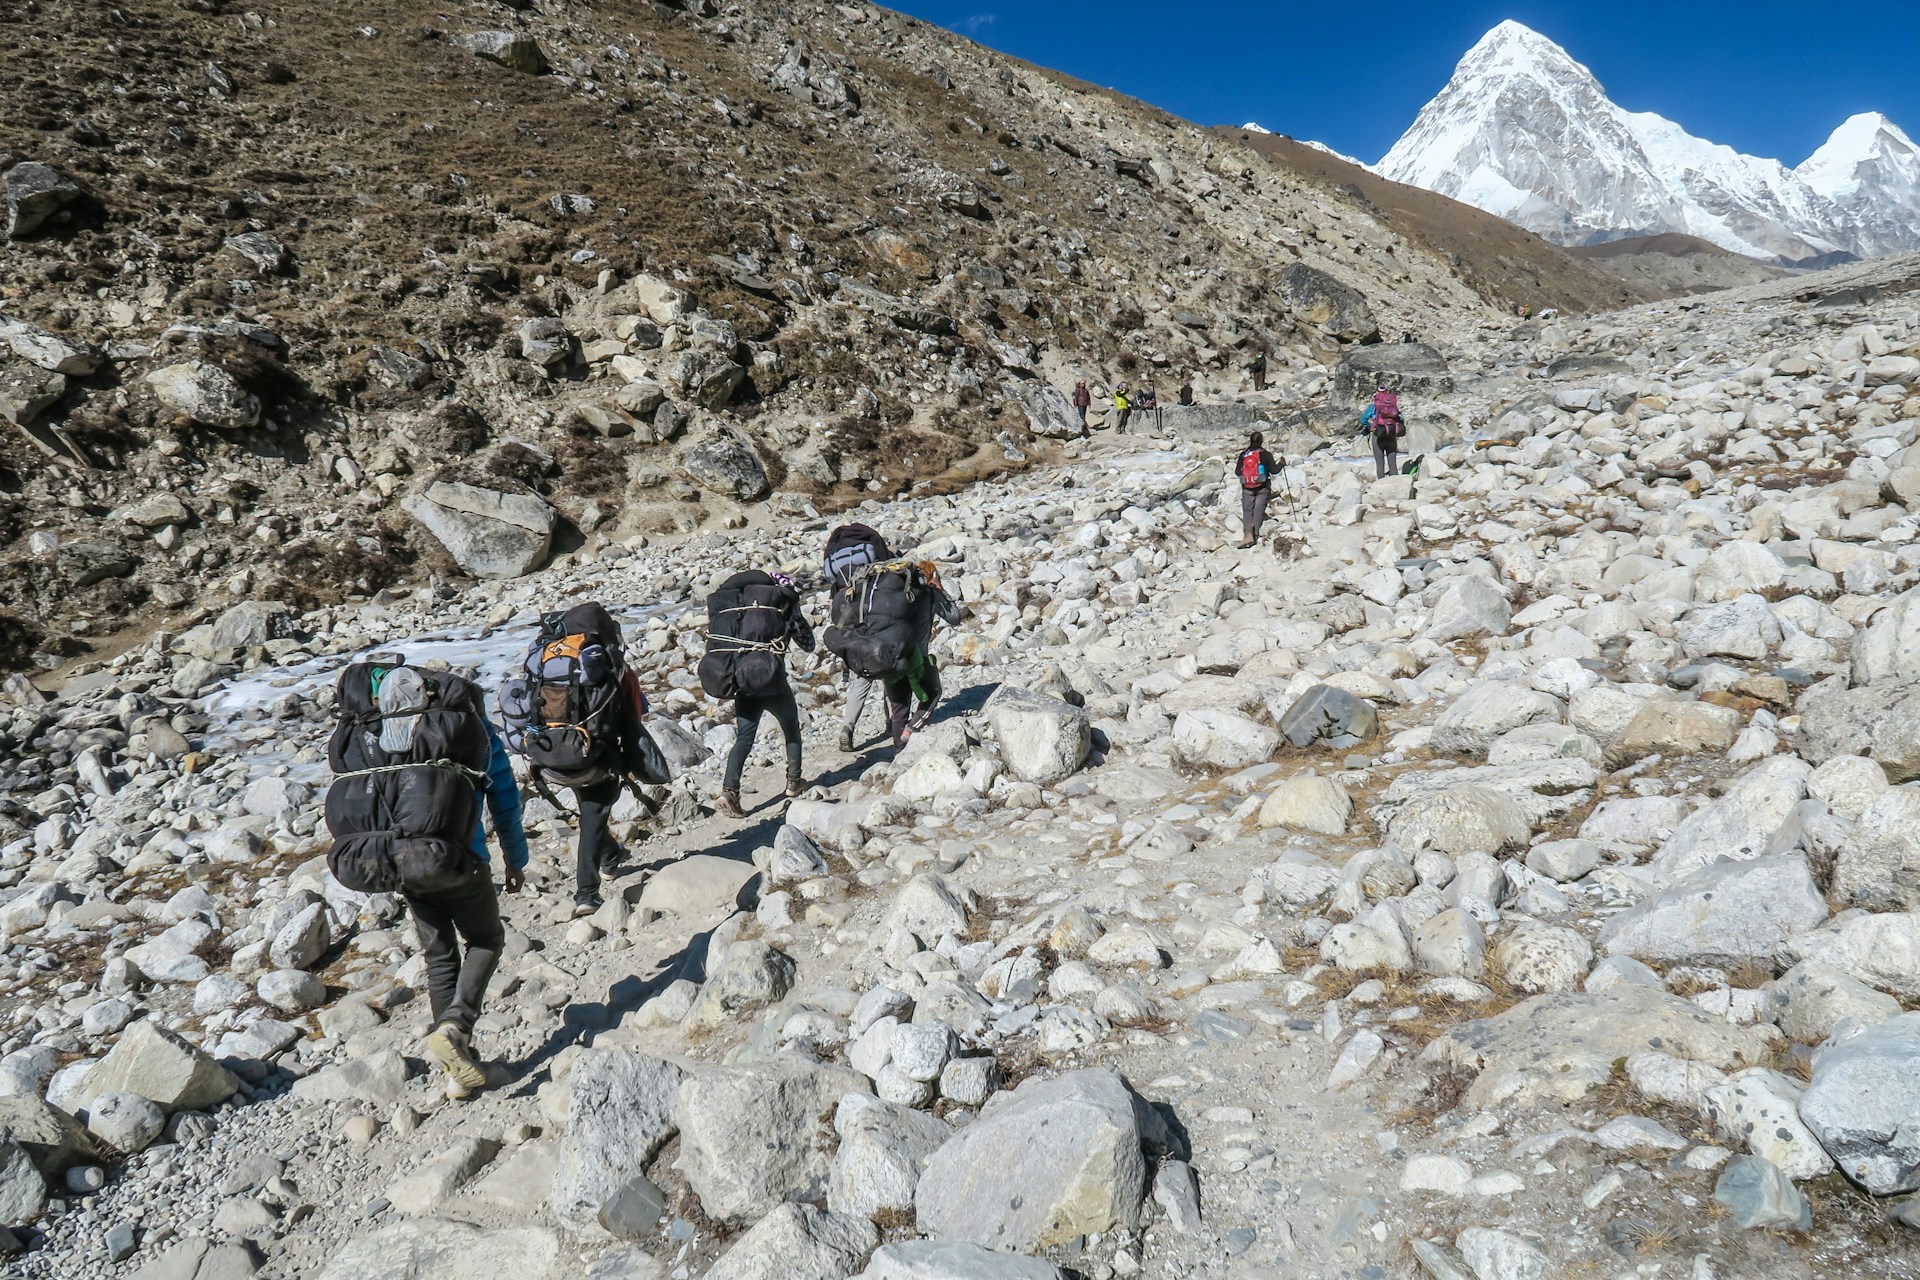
1386	415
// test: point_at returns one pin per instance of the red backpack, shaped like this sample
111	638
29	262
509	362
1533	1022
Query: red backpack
1253	472
1386	415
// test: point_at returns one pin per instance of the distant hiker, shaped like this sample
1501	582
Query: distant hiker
1257	369
412	754
1122	406
1186	390
1148	402
1082	401
851	548
1407	338
882	625
574	710
750	619
1382	421
1255	469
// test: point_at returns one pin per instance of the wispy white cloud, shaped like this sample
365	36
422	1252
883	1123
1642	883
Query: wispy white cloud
974	24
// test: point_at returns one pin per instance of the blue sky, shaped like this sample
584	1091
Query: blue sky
1768	78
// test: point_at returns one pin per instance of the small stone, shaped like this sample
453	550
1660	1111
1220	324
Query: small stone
1758	1194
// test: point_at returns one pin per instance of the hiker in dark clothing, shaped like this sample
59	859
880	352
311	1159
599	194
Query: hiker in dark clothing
777	699
911	696
851	548
1254	469
1257	369
1186	391
467	910
1082	401
1148	402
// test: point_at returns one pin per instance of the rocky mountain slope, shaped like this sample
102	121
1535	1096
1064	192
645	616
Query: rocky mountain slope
1524	131
1506	871
308	301
1671	264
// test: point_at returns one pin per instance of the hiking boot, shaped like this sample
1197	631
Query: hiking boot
795	788
728	805
846	739
585	904
447	1046
614	858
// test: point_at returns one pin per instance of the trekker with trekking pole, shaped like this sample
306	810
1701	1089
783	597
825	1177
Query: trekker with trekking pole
412	754
1382	421
751	618
574	710
1255	469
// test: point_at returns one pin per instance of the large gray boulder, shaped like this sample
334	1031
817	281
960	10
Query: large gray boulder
1223	739
50	351
34	193
725	462
1041	739
1470	605
441	1249
1727	913
1560	1046
205	393
751	1137
620	1113
1044	1163
27	391
1409	368
1864	1105
1879	868
1329	717
1879	721
23	1188
1318	301
1049	413
938	1260
1741	824
798	1242
1741	628
513	49
488	533
54	1139
1889	649
1813	999
160	1066
883	1149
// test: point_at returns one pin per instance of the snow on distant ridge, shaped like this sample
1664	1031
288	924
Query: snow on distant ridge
1524	131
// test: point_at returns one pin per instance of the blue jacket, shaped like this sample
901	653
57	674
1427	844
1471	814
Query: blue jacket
503	799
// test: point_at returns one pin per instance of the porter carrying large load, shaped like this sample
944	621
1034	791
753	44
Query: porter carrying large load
747	627
883	618
406	753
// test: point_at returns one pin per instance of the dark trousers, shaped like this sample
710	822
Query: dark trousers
1121	424
746	727
1253	511
595	843
901	698
466	909
1386	456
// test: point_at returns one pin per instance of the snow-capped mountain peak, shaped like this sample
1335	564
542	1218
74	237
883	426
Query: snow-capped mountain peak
1863	144
1525	131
